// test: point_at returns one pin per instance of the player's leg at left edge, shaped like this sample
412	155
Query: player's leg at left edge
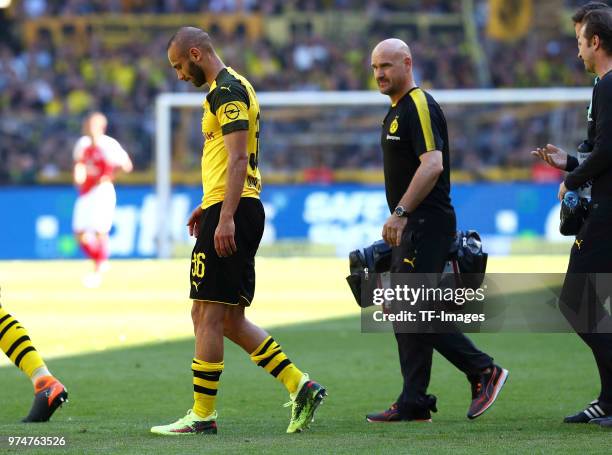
49	393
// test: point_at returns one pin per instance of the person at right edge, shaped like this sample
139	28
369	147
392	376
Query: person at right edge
420	231
591	252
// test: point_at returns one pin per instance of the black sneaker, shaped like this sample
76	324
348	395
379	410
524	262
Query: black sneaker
485	389
50	396
593	411
420	414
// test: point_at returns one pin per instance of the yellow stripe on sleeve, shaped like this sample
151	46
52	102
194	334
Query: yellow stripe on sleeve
423	110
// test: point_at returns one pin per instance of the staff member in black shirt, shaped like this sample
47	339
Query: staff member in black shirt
420	230
555	156
592	250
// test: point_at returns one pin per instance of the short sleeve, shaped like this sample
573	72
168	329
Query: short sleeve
425	134
81	144
230	103
114	153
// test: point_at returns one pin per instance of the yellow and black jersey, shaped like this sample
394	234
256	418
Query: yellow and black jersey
413	126
231	105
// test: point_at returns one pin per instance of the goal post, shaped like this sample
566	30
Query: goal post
165	102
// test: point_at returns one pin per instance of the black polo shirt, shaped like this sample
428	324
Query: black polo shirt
412	127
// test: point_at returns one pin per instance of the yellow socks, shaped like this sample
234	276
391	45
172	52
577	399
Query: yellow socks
205	384
16	344
271	358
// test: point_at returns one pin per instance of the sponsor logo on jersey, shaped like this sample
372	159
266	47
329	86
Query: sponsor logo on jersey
231	111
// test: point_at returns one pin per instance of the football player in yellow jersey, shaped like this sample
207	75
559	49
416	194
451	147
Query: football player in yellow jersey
228	227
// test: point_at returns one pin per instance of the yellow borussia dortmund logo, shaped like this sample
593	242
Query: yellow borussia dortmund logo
394	125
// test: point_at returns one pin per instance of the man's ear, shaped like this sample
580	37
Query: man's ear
596	42
194	54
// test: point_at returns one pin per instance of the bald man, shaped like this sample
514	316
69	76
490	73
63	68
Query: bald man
420	230
228	227
97	157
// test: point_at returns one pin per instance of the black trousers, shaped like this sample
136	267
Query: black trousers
425	244
586	288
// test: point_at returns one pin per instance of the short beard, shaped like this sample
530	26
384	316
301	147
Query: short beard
390	90
198	78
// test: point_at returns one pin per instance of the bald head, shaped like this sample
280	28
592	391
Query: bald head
190	37
392	66
393	47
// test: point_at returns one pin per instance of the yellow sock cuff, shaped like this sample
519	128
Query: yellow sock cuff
265	352
271	358
201	365
263	347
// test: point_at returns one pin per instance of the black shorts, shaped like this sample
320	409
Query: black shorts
229	280
425	243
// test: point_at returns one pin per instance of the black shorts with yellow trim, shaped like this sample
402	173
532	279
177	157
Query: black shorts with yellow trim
229	280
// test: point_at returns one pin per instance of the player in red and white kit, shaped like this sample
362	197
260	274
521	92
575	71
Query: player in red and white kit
96	159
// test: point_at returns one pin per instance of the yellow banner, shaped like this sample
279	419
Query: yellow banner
509	20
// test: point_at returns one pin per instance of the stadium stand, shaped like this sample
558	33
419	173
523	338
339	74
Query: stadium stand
61	59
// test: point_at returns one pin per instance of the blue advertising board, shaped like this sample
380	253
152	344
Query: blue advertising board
36	221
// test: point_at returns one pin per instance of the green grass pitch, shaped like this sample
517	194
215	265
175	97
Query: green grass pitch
124	352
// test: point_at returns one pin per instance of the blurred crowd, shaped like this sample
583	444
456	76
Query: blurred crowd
47	87
39	8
